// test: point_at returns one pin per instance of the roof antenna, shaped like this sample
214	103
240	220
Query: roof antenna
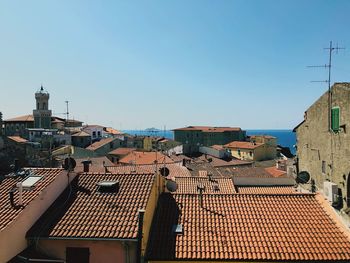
67	112
329	67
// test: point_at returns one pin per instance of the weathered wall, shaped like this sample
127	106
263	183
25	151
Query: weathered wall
316	143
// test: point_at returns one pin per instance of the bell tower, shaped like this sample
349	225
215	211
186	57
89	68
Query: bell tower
42	114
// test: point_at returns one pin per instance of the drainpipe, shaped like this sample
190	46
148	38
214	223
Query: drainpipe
139	236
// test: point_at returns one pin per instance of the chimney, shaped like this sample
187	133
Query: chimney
16	164
12	199
86	165
200	189
20	193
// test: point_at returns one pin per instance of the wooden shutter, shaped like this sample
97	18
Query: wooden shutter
335	119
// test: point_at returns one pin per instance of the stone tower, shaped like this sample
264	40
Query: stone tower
42	114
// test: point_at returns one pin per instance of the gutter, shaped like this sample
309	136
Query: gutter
84	239
41	260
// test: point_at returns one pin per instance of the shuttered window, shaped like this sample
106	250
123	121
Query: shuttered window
335	119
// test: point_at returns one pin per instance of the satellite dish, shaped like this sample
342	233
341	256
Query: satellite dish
164	171
69	164
171	186
303	177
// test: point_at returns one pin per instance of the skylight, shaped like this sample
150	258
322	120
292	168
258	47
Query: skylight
108	186
30	181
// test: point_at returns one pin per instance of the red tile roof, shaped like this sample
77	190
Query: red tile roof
17	139
267	190
9	213
122	151
81	134
82	212
137	157
208	129
112	131
188	185
175	170
258	172
245	227
99	144
243	145
275	172
24	118
97	164
217	162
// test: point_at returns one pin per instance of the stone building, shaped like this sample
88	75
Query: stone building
323	144
193	137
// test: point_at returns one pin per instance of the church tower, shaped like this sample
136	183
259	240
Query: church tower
42	114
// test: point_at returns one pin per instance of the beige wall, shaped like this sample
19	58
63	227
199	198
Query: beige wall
315	143
263	152
110	251
12	238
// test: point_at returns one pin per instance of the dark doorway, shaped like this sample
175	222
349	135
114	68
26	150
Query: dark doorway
77	254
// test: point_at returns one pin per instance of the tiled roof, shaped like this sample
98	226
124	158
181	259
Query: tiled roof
217	162
137	157
263	136
188	185
243	145
83	212
208	129
217	147
112	131
175	170
99	144
275	172
81	134
258	172
25	118
267	190
122	151
17	139
92	126
97	164
247	228
9	213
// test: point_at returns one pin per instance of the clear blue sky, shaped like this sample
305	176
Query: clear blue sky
139	64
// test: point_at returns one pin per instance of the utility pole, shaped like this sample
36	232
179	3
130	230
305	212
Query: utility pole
329	67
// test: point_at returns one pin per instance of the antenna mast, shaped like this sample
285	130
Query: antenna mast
329	66
67	112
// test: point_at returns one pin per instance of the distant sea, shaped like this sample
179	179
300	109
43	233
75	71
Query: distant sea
285	138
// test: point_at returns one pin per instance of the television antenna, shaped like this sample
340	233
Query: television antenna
329	67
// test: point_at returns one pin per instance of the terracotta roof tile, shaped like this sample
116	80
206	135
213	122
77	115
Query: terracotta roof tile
122	151
99	144
81	134
17	139
175	170
267	190
97	164
137	157
243	145
275	172
25	118
9	213
245	227
84	212
188	185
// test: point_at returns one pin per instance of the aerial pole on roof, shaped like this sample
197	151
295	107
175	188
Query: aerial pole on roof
67	112
329	67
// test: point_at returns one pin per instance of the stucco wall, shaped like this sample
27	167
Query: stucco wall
12	238
315	143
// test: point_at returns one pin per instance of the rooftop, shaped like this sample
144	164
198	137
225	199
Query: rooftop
24	118
7	212
246	227
17	139
97	164
99	144
188	185
122	151
81	134
208	129
137	157
267	190
243	145
82	212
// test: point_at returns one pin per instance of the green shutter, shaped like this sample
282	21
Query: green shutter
335	119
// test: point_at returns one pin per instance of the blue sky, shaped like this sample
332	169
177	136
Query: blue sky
139	64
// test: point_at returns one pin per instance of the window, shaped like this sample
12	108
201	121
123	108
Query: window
323	167
250	153
108	186
98	134
239	152
77	254
93	134
335	119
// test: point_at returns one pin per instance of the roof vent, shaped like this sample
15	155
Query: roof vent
177	229
30	181
108	186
